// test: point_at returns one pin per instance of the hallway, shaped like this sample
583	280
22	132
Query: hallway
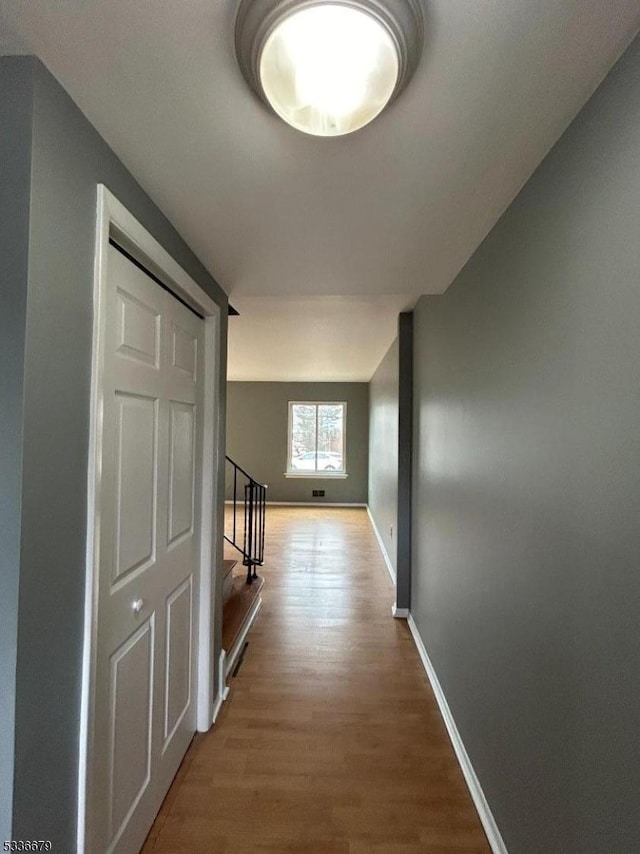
330	741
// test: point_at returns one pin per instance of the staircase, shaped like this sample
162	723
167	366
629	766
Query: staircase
228	565
244	530
245	516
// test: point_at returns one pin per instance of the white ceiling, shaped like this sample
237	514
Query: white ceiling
297	338
395	209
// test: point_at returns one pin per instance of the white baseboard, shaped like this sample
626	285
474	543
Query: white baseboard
475	789
315	504
386	557
399	613
309	503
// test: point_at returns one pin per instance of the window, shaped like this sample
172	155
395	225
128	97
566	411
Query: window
317	439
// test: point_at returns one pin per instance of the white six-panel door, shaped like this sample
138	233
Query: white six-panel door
145	710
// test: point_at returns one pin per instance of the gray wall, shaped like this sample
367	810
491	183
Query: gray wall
16	105
526	565
68	160
257	417
405	461
383	449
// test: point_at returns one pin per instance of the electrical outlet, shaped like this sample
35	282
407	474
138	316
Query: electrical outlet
318	493
391	531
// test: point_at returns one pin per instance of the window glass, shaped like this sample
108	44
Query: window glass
316	438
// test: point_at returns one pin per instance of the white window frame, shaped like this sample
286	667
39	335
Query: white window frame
324	475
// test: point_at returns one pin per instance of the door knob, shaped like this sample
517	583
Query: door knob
137	606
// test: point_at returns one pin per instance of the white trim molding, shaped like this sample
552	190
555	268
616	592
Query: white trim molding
473	783
300	475
383	549
313	504
400	613
223	691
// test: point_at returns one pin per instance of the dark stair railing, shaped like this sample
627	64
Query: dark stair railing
246	534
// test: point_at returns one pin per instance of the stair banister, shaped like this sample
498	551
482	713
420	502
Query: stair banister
253	529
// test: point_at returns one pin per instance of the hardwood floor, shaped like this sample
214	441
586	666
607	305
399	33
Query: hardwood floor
331	740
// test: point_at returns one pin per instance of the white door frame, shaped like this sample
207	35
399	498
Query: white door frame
114	220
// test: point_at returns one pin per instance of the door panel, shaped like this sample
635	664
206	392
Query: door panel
144	710
130	711
185	351
181	469
179	658
136	426
138	329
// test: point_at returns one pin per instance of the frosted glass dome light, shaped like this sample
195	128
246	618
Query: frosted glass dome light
328	68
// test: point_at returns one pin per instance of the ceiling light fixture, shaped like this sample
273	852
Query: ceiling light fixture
328	68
